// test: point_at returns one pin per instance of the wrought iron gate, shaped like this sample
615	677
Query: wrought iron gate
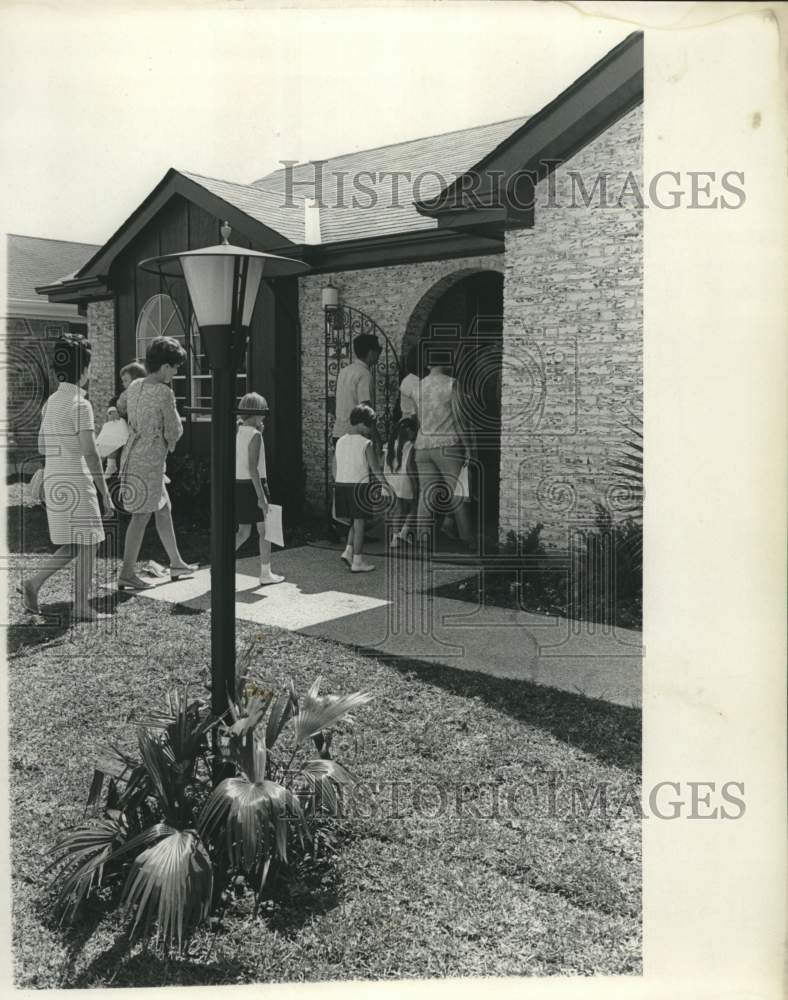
342	325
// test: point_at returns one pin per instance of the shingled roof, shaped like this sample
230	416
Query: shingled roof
383	205
34	261
264	206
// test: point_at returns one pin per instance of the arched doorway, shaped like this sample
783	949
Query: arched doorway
470	308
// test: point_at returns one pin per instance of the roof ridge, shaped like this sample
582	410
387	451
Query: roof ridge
208	177
54	239
249	187
402	142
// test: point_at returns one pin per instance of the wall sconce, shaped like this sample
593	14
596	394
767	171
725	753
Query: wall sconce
331	298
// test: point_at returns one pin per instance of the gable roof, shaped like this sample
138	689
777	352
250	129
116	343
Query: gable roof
265	213
266	207
586	108
34	261
388	204
384	205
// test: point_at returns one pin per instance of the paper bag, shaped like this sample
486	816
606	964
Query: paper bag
462	487
113	435
273	525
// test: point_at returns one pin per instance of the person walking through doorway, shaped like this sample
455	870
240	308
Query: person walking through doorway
443	445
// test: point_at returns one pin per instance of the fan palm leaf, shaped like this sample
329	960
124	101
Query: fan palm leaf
253	716
281	711
82	855
317	713
170	885
185	724
114	764
159	764
254	816
628	465
326	779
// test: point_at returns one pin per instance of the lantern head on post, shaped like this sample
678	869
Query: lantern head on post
223	282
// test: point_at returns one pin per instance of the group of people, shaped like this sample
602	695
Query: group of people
421	464
75	479
422	460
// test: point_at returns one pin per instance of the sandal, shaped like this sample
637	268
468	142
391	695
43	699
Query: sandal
31	607
88	615
184	572
133	585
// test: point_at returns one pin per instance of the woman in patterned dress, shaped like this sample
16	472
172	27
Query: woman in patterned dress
154	430
72	467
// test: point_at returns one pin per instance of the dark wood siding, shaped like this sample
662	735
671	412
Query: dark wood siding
274	337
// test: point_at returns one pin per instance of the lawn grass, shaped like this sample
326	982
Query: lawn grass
419	890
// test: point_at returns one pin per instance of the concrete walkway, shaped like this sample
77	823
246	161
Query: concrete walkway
394	612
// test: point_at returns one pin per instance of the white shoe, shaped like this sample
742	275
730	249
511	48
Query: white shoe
266	581
361	567
347	555
395	543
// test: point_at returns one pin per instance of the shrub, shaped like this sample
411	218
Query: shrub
205	802
191	477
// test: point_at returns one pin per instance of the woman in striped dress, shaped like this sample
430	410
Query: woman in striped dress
154	430
72	467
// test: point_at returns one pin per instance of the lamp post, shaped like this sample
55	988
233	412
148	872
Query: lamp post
223	282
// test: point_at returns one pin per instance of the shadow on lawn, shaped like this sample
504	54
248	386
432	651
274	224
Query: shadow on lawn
610	733
29	632
310	893
115	967
313	892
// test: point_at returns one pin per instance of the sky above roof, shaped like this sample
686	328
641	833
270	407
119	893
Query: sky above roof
104	99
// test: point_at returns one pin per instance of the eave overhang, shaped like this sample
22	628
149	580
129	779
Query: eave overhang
499	189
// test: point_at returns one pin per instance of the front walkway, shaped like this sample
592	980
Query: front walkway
393	612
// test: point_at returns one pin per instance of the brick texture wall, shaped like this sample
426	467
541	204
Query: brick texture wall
101	334
29	348
572	371
573	317
399	299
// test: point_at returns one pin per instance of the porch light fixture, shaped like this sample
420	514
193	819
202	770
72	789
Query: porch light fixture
223	283
331	297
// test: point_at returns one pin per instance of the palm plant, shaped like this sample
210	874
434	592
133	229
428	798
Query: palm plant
205	801
628	466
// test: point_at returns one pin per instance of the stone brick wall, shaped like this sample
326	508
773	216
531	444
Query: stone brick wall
101	334
398	298
573	320
29	347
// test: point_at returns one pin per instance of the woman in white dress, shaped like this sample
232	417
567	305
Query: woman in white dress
72	477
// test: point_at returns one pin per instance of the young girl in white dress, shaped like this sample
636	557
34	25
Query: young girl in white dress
357	464
399	469
251	484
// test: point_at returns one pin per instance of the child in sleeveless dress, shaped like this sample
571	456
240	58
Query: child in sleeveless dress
357	463
251	484
399	469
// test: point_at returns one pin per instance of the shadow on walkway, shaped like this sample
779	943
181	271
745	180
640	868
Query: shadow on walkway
611	733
